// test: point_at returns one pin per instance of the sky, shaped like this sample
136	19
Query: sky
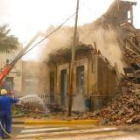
27	17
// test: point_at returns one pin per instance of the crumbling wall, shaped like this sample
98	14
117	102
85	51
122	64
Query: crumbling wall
104	82
106	78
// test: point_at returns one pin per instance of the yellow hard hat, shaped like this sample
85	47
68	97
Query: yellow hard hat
3	92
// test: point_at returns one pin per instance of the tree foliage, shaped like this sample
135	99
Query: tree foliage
7	42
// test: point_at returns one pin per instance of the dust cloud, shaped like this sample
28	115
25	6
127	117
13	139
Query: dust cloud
61	39
107	41
109	37
79	103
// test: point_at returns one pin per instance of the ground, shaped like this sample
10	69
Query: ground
74	132
121	116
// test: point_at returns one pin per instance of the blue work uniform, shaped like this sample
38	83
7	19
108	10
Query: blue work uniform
5	113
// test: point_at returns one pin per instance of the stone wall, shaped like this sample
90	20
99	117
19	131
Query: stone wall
105	82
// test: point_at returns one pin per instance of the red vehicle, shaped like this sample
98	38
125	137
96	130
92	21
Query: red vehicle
8	67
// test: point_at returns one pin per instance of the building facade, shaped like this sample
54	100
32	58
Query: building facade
34	79
94	80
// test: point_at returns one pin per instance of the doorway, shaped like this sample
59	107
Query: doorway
52	86
9	83
80	79
64	87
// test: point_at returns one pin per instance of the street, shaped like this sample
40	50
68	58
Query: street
43	132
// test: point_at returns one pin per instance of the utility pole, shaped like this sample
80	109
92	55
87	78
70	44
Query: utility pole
73	61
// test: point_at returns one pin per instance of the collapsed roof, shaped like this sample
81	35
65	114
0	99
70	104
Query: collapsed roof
56	56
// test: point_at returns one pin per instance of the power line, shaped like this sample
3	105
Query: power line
48	35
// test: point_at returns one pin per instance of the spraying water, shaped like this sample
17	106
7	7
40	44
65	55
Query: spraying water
34	99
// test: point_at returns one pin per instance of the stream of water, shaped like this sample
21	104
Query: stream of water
34	99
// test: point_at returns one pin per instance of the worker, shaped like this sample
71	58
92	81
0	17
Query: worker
5	113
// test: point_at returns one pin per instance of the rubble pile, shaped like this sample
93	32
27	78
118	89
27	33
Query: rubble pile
19	111
122	110
27	111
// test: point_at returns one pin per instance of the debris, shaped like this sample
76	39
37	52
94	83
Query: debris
123	110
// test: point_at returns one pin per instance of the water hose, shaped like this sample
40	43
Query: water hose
5	130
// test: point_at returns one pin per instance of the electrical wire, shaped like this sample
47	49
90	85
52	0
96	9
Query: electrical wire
24	50
47	36
22	53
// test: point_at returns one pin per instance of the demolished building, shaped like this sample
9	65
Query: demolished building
95	70
94	78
